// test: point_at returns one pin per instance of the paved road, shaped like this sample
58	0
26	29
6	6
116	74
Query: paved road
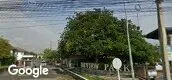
53	75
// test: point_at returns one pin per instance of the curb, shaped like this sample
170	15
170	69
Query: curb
74	75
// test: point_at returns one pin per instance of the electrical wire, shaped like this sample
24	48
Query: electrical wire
41	10
28	26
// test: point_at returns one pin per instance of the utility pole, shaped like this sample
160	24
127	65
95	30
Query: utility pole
129	45
163	40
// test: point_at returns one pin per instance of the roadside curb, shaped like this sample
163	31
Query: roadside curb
73	74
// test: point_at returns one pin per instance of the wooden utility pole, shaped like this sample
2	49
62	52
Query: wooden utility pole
163	40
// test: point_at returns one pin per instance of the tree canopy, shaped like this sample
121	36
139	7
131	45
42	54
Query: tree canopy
6	57
5	48
98	34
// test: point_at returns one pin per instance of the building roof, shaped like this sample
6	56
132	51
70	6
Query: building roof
22	50
155	35
18	49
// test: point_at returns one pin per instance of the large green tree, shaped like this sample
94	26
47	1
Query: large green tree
97	34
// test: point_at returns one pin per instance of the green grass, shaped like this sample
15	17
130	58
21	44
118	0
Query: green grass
4	66
91	77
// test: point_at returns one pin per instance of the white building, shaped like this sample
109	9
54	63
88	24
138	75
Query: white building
23	57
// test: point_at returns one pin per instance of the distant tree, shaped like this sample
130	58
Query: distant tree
5	48
97	34
50	55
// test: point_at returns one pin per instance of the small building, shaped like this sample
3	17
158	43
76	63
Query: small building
155	35
23	57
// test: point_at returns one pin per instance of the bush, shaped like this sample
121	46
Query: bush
7	61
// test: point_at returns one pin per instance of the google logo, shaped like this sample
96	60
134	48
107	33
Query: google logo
12	69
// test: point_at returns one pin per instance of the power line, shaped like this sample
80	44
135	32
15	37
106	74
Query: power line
48	5
48	25
51	12
29	21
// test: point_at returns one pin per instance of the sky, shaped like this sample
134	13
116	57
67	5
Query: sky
37	24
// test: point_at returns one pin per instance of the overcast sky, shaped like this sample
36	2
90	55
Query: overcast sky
35	27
